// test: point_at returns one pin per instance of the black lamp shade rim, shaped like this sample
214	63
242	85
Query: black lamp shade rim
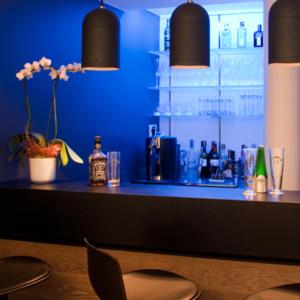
100	41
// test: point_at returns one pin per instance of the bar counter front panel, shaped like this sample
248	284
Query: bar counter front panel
217	221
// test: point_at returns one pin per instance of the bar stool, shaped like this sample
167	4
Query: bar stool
109	283
283	292
20	272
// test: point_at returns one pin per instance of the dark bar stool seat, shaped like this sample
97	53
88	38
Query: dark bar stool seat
284	292
20	272
110	284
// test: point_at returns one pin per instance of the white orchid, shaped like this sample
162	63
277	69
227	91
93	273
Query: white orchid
36	66
62	73
20	75
28	66
45	62
53	74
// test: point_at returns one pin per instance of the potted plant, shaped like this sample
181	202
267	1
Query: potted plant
41	151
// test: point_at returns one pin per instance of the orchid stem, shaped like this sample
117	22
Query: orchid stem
28	125
49	120
54	107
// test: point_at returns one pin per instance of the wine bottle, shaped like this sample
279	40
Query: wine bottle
260	174
258	39
203	169
213	160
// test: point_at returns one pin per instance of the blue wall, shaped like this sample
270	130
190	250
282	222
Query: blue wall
115	105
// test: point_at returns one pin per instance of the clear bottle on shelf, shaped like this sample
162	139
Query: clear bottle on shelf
242	36
258	38
167	36
226	37
191	164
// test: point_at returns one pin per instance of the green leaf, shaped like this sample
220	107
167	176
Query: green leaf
64	155
41	139
74	156
15	142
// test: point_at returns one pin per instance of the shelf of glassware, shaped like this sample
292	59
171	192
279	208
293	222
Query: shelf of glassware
227	51
246	105
230	69
211	88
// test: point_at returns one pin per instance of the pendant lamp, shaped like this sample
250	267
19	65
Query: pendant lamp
100	40
189	37
284	32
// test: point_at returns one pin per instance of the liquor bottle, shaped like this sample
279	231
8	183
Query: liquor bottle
97	164
203	169
167	36
213	160
191	164
226	37
258	38
260	174
223	159
241	163
242	36
229	169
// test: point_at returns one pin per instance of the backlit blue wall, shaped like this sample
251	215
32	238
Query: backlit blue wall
115	105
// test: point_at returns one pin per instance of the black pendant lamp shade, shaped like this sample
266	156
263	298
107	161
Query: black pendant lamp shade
189	40
100	40
284	32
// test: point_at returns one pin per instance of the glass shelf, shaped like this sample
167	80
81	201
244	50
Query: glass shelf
228	51
221	87
214	115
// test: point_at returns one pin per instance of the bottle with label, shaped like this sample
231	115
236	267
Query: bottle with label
203	169
167	36
242	36
226	37
223	159
229	169
260	174
213	160
241	163
191	164
258	37
97	165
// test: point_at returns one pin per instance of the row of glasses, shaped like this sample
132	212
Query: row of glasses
250	105
241	69
246	105
276	156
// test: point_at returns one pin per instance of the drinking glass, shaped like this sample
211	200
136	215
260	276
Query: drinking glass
249	168
113	168
276	166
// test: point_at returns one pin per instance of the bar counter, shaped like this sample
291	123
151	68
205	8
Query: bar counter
174	219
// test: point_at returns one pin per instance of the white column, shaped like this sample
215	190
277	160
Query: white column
282	112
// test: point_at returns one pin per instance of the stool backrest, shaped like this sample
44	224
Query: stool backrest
105	274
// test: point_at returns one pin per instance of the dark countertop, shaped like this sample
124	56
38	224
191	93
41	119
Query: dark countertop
198	220
156	190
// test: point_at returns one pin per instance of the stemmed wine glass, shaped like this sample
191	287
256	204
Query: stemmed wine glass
249	168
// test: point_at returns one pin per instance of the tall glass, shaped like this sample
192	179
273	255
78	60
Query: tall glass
276	166
249	168
113	168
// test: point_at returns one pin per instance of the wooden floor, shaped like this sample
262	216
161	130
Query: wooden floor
219	279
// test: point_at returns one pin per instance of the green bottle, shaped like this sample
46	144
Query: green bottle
260	174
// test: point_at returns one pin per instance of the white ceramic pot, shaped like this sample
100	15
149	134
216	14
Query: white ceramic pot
42	170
